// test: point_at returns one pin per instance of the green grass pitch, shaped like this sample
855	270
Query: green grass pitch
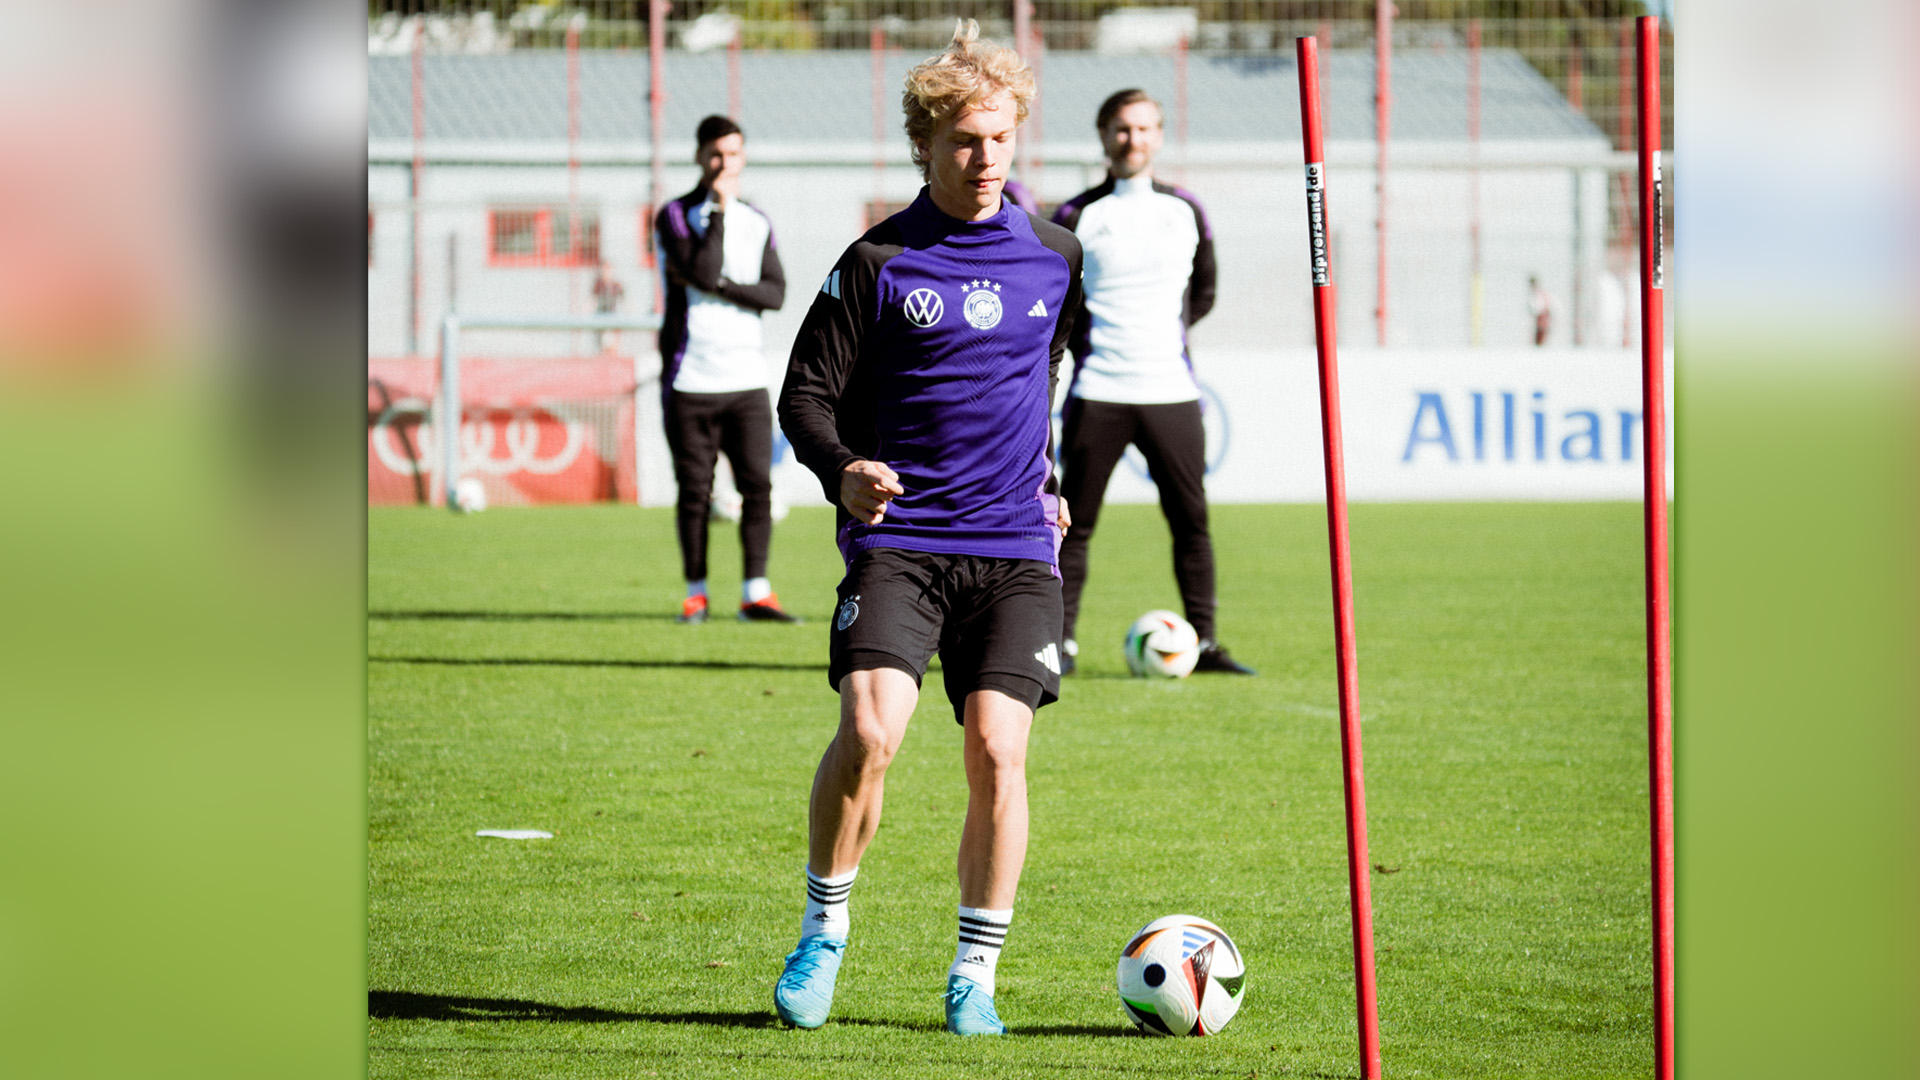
525	672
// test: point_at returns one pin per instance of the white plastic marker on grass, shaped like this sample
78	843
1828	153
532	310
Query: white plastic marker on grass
516	834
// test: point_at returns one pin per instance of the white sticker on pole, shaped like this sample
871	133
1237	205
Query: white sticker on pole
1317	222
1658	230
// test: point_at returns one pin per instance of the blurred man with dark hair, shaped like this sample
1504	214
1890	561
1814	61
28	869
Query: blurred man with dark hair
1149	276
721	271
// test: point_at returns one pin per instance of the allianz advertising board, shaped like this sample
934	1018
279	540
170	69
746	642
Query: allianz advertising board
1463	424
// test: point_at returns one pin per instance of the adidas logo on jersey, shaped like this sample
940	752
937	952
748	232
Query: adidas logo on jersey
1049	657
1039	309
831	286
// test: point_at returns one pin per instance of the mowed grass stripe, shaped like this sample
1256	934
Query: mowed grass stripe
533	679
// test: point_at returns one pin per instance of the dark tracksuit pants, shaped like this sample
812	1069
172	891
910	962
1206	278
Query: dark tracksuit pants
1095	434
700	427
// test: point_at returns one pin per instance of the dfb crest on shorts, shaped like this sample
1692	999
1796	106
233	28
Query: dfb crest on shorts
849	611
982	304
923	307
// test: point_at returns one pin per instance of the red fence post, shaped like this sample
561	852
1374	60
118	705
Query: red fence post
1476	284
877	46
1180	102
414	183
1358	885
1382	115
733	73
656	120
1037	115
573	174
1023	44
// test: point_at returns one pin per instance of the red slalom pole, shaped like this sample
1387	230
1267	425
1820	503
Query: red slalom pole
1653	402
1358	884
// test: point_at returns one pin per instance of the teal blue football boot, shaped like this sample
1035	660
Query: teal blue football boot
804	994
970	1009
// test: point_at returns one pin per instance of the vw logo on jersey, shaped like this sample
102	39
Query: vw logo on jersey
923	307
982	305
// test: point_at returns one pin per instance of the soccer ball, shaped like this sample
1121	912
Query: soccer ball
1162	644
1181	975
470	495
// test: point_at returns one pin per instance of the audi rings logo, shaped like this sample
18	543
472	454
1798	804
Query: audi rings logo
923	307
517	431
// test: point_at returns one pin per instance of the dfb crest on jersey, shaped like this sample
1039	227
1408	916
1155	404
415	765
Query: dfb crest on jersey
982	305
923	307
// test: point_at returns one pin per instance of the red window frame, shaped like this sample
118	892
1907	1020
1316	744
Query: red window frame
582	239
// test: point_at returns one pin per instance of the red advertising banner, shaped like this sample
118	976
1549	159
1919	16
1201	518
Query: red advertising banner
531	431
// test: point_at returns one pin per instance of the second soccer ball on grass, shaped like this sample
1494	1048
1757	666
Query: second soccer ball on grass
1163	645
470	495
1180	975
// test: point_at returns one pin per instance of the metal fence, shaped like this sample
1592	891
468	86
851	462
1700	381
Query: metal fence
456	220
1584	47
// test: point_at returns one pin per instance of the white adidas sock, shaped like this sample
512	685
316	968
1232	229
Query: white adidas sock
755	589
697	588
827	905
982	933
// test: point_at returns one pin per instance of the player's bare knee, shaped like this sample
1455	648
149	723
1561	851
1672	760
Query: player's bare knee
867	744
997	754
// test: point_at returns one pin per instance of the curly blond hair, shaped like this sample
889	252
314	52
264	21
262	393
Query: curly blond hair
970	72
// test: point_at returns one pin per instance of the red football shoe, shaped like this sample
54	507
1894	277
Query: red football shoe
767	610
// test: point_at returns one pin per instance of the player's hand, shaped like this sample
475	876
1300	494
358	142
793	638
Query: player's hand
1066	517
866	487
726	188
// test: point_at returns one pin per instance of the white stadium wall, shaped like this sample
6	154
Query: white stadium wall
1420	426
1253	354
1537	220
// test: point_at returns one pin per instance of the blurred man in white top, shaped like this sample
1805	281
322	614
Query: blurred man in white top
1149	276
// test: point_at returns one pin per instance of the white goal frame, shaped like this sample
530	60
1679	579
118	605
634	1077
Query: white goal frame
447	401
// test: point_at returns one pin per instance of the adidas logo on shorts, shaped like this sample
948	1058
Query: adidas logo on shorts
1049	657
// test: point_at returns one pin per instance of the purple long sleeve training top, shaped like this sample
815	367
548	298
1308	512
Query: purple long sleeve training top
934	346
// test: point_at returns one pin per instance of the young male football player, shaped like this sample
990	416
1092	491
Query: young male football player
721	271
1150	275
919	392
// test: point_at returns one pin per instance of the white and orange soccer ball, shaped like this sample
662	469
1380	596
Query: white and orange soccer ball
1162	645
1181	975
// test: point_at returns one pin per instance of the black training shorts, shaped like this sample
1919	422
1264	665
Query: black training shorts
994	622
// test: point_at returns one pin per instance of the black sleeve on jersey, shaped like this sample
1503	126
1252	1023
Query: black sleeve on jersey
1200	287
692	259
767	294
1061	240
825	409
1073	317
